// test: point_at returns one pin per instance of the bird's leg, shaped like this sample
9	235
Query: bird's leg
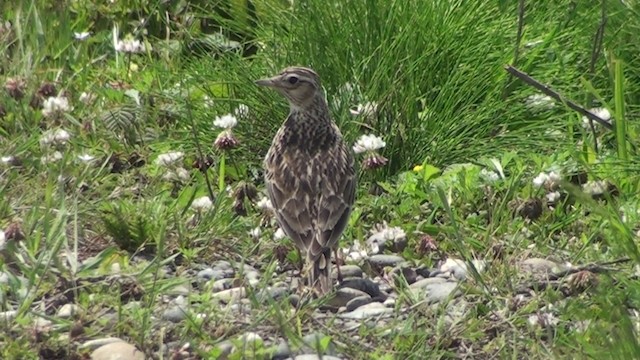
335	252
300	262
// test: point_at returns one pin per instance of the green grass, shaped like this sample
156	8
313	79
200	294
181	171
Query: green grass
436	70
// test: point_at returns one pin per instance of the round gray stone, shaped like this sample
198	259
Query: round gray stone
383	260
358	301
117	351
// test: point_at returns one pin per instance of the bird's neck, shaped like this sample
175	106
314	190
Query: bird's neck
310	127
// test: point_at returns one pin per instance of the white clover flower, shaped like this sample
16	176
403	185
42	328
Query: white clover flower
227	121
206	100
539	180
255	232
600	112
553	196
241	111
539	102
54	137
368	109
595	187
87	98
81	36
170	158
279	234
7	160
86	158
367	143
129	46
55	105
489	176
178	174
51	158
543	319
264	204
355	252
555	176
202	203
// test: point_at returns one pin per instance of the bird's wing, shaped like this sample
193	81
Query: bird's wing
290	194
336	199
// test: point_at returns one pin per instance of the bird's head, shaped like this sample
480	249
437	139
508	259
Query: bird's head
299	85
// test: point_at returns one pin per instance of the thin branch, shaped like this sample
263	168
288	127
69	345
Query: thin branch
555	95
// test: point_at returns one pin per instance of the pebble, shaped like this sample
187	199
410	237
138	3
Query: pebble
424	282
180	289
364	285
225	347
211	274
381	260
96	343
367	311
348	271
222	284
68	310
458	268
358	301
316	342
343	295
6	316
282	351
175	313
438	292
313	357
230	295
117	351
538	266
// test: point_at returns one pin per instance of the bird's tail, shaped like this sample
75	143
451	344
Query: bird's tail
320	273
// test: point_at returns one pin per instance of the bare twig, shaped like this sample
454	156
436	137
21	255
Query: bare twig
551	93
595	53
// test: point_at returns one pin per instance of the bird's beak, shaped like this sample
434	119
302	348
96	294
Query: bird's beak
269	82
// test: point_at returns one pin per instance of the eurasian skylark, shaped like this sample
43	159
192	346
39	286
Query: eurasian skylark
309	173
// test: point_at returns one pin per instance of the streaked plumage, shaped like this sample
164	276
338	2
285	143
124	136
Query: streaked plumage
309	173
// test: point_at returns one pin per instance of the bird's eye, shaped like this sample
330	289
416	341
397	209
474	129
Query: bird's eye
293	80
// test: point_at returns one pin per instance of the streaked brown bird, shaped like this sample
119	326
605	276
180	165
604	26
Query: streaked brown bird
309	173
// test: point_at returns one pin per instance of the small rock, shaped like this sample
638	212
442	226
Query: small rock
539	266
380	261
313	357
211	274
438	292
343	295
222	265
175	313
230	295
458	268
424	282
358	301
94	344
364	285
405	272
390	303
348	271
313	343
367	311
117	351
68	310
4	278
7	316
225	347
222	284
282	351
250	342
181	289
